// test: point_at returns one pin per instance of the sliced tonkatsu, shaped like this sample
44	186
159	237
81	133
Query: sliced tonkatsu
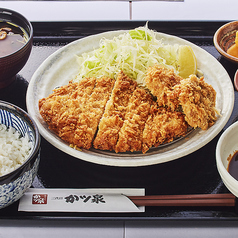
74	111
130	135
114	115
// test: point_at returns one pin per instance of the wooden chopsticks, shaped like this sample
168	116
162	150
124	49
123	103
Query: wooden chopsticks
185	200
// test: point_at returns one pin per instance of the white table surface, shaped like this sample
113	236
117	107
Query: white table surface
120	11
187	10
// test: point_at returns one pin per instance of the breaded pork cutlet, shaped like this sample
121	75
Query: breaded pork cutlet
160	81
197	99
162	126
73	111
61	109
114	115
130	135
92	112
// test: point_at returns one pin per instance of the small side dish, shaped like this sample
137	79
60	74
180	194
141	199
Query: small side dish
225	41
233	50
12	38
226	154
16	39
232	167
236	80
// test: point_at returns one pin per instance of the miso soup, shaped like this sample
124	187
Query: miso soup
12	38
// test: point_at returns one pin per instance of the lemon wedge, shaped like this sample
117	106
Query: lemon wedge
187	62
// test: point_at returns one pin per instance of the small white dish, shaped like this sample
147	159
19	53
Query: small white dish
226	146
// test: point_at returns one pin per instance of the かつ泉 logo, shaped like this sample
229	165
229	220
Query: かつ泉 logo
39	199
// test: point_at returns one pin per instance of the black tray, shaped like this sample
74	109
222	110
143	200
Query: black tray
192	174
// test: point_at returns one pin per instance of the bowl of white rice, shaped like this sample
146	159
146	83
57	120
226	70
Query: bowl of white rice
19	152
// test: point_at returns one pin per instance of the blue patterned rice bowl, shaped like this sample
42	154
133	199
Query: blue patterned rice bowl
15	183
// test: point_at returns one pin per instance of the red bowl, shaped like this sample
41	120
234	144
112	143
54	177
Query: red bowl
11	64
236	80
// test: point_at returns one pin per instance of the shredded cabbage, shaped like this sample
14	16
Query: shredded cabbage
132	52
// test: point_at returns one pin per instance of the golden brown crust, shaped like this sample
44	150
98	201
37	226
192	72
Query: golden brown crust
130	135
114	115
60	110
93	110
162	126
74	111
197	99
120	116
160	81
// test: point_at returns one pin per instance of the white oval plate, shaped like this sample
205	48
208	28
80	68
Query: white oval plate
60	67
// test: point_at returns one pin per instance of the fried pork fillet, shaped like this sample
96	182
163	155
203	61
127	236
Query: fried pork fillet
73	111
130	135
93	110
197	99
162	126
114	115
160	81
118	115
60	109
